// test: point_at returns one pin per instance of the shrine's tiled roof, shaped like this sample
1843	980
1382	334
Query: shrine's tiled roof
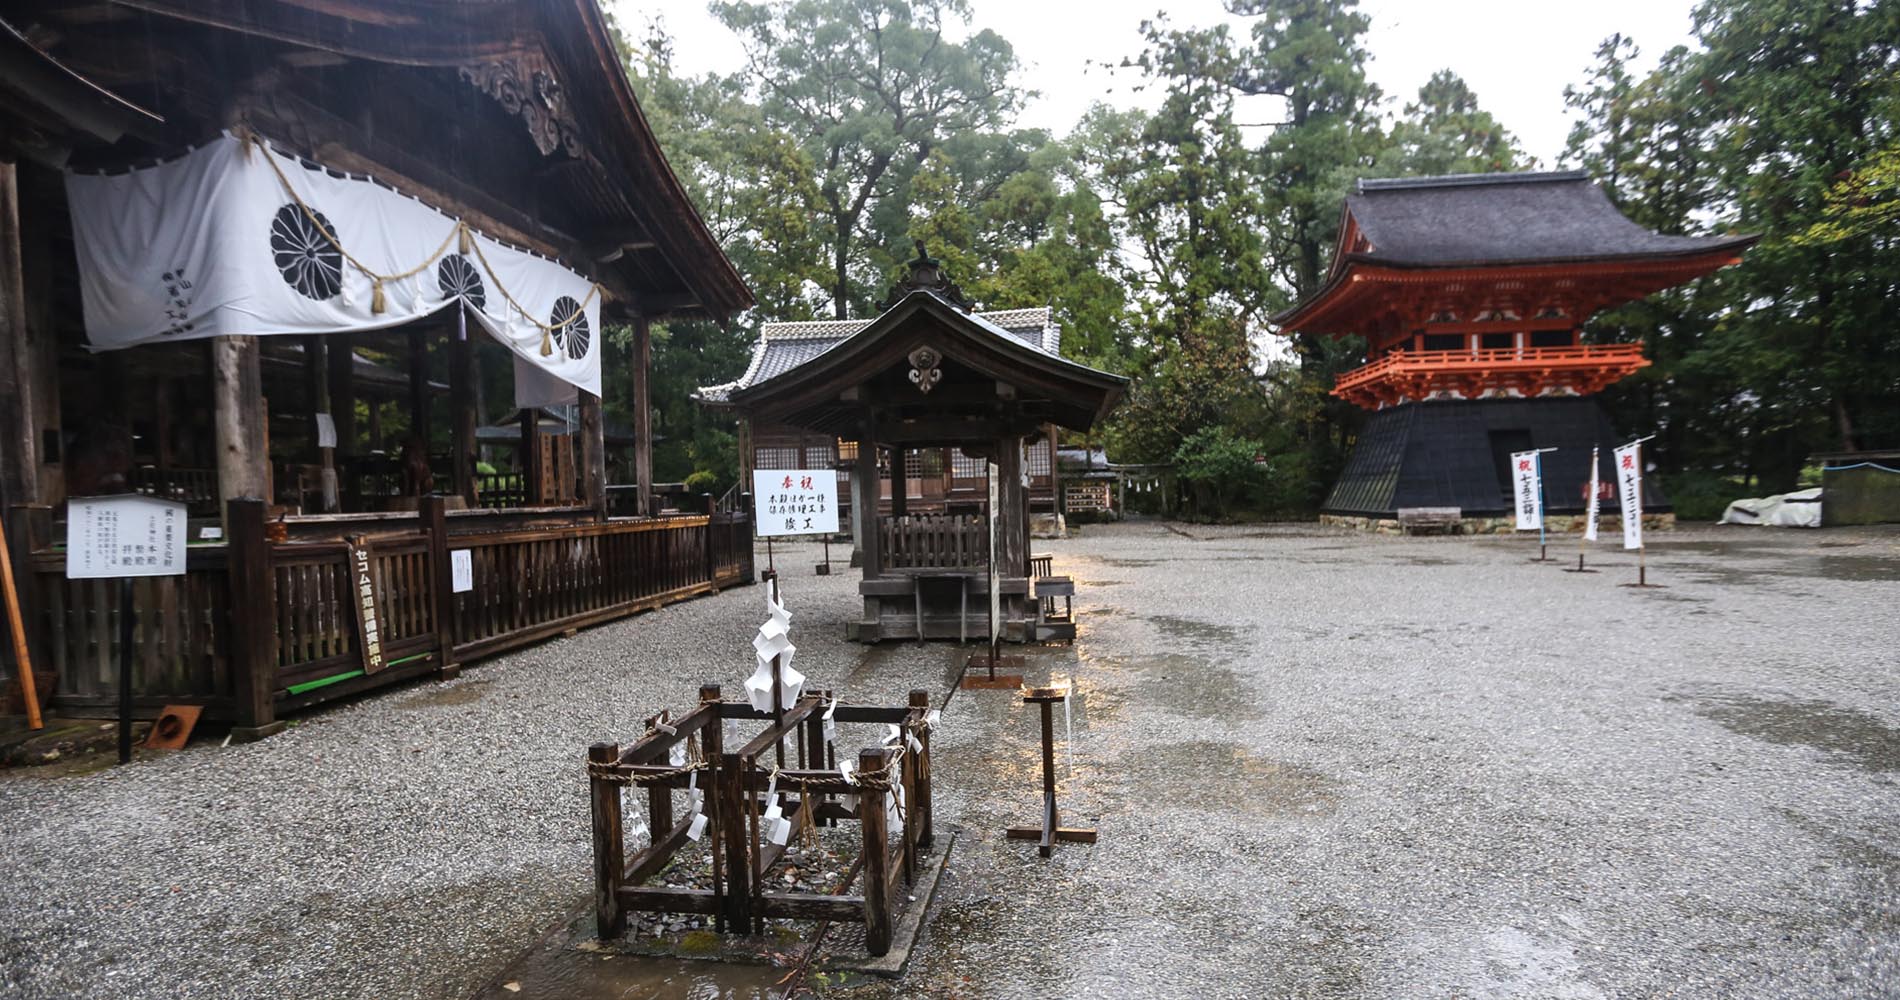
782	347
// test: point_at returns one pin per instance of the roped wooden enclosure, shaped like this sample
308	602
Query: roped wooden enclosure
257	628
743	857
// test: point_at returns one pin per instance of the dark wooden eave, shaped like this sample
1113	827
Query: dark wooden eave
600	197
995	385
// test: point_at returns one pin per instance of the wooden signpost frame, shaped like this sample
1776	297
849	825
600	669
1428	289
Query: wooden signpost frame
733	783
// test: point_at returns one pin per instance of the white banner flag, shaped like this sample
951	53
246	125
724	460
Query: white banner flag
1629	490
1527	482
1594	503
235	238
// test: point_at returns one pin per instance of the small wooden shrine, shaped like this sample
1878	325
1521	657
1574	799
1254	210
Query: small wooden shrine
932	374
256	257
1472	292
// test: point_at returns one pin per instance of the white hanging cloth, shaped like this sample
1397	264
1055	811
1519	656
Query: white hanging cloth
235	238
774	640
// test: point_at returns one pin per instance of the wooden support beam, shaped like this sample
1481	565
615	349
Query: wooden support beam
593	456
316	379
864	480
342	364
610	867
643	416
19	382
900	481
878	910
238	418
253	619
530	458
419	384
462	415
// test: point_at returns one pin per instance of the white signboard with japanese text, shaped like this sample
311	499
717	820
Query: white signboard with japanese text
1527	490
121	536
1629	490
794	502
461	571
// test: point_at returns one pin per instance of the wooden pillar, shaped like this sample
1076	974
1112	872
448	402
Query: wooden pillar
878	911
419	384
238	417
748	457
610	865
531	457
864	479
253	616
19	381
462	375
375	425
643	416
433	513
593	455
316	372
900	482
919	805
730	805
342	379
1012	514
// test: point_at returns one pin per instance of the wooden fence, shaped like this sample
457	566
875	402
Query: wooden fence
257	628
949	541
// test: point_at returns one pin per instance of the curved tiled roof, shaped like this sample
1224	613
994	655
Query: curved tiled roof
1504	218
782	347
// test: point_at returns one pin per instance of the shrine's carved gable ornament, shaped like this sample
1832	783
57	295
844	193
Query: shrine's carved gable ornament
527	87
924	373
926	273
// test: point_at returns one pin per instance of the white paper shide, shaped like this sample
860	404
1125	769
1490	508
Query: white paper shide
774	641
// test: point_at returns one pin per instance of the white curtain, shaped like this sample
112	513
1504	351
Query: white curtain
235	238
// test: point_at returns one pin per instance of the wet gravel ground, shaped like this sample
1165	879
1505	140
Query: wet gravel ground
1322	764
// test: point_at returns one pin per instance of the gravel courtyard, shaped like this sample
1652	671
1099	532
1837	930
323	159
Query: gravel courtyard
1322	765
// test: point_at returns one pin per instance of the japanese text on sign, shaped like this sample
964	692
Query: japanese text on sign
369	628
124	536
795	501
1527	489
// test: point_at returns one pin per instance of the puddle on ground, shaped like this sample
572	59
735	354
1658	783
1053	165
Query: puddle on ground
1184	685
1423	561
1195	632
467	692
1231	778
1862	738
566	974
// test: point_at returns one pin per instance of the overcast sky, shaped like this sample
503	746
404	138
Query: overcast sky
1516	54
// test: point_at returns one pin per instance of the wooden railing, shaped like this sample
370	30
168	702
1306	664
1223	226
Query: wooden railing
934	541
256	628
1617	359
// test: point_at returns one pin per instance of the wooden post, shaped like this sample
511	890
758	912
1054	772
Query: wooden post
342	365
1012	515
19	382
316	378
900	482
253	621
593	456
731	795
238	417
878	914
920	808
712	741
709	506
462	421
433	512
864	478
610	864
642	416
419	383
531	478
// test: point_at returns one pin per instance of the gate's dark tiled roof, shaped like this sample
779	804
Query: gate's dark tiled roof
782	347
1473	219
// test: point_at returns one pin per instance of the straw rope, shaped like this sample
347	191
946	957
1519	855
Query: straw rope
460	231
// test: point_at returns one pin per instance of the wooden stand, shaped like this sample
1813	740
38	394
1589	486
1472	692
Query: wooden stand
1051	829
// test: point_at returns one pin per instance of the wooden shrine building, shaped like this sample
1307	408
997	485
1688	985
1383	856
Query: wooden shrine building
935	480
255	256
930	376
1472	292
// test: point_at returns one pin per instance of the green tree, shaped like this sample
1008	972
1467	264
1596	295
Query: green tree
1445	132
868	89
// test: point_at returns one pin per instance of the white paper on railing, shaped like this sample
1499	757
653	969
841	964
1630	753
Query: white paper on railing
795	502
1629	490
211	244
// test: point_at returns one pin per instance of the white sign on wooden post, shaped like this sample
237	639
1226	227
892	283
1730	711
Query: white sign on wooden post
996	578
122	536
794	502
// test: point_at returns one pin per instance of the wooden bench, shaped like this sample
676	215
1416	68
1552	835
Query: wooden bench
1425	520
